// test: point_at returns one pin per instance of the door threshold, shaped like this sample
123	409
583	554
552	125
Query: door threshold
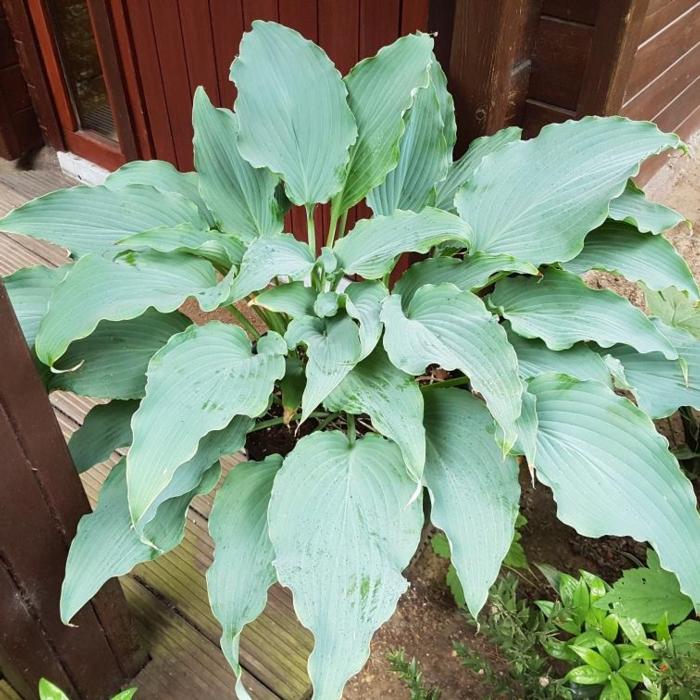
81	169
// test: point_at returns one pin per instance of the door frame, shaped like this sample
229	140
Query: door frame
87	143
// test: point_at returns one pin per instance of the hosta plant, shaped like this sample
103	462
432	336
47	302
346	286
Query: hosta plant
489	348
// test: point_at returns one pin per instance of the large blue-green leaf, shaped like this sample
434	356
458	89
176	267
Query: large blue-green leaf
106	544
333	349
363	302
393	401
462	169
241	197
561	310
293	113
662	386
92	219
111	362
293	298
452	328
612	474
197	384
633	208
214	445
372	247
473	273
620	248
97	289
343	530
380	91
535	358
269	257
164	177
224	250
106	428
242	569
558	186
473	489
30	290
424	151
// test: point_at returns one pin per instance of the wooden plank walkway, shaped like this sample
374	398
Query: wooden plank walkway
168	597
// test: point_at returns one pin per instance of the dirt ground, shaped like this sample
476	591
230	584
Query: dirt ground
426	622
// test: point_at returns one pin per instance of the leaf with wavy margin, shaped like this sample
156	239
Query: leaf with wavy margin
242	570
381	89
106	544
197	384
474	491
640	257
446	326
292	111
373	245
561	310
393	401
164	177
111	362
241	197
462	169
424	151
97	289
106	428
633	208
92	219
559	186
342	533
612	474
473	273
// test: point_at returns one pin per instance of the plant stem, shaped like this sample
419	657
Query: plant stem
331	229
457	381
311	227
270	318
245	323
341	226
328	419
271	423
351	428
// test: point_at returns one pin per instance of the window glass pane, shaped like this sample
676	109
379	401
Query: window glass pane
81	65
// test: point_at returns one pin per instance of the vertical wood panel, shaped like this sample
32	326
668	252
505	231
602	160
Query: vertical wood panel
227	26
487	43
615	40
175	77
258	9
199	47
339	32
380	24
125	48
148	62
414	16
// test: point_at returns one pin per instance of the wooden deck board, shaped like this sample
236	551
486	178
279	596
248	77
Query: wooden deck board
168	597
7	692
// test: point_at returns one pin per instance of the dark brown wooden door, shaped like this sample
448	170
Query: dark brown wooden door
76	41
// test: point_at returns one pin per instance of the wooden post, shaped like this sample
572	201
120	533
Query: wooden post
41	501
489	63
615	40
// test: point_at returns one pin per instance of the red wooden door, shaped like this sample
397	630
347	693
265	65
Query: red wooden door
76	41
